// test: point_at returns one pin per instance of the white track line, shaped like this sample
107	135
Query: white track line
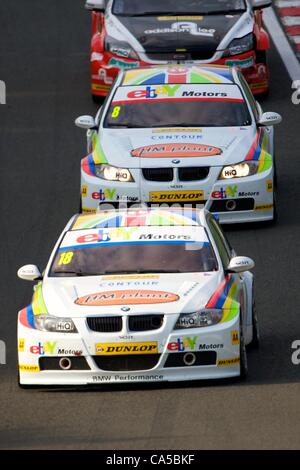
282	44
287	3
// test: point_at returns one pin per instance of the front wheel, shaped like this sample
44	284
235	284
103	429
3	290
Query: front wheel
243	357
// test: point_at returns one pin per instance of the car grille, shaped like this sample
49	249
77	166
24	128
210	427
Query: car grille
158	174
193	173
145	322
105	324
181	56
127	362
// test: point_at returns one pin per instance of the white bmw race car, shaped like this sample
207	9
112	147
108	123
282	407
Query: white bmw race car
187	135
138	296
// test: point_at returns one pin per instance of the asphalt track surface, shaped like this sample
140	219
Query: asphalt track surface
44	62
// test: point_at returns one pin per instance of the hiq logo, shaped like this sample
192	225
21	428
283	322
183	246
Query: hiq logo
227	193
154	92
2	92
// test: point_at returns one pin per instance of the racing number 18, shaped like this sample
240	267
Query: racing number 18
66	258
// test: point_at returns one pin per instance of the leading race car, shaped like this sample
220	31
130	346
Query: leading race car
138	296
135	33
182	135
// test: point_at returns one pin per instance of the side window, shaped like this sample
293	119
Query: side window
249	95
223	246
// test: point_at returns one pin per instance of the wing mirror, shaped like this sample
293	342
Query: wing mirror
269	119
86	122
240	264
30	272
98	5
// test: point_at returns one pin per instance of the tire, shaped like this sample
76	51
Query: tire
80	205
275	179
243	357
255	335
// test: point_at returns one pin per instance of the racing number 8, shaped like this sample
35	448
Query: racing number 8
115	112
66	258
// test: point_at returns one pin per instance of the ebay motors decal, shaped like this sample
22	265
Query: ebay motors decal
176	150
129	94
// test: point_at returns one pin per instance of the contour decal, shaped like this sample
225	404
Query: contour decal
176	150
126	297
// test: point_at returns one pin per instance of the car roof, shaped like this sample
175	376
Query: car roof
138	217
191	74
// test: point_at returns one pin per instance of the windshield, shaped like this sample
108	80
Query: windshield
156	250
155	7
177	106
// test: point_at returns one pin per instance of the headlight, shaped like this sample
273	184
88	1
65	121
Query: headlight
111	173
120	48
54	324
241	170
239	46
205	317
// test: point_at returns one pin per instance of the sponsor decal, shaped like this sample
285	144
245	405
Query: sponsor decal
176	150
29	368
269	184
132	276
225	193
69	352
186	196
248	194
127	378
211	346
151	236
127	297
84	190
183	344
21	345
228	362
183	18
43	348
183	27
114	349
177	137
235	337
176	129
104	195
242	63
263	207
121	64
117	234
102	74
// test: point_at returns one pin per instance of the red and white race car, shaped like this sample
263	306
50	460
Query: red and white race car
133	33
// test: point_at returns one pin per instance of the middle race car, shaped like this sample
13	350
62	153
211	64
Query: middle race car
149	295
133	33
182	135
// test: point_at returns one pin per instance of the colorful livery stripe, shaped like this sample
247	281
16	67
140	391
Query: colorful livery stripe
164	75
260	151
226	297
37	307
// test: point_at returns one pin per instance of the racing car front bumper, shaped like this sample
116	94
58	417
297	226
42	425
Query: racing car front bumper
214	350
248	199
105	68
